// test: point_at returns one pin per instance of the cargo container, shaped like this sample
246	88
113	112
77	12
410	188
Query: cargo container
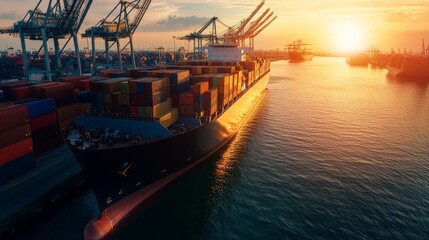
14	135
20	93
69	111
43	121
13	116
155	111
113	84
16	150
169	118
200	88
61	93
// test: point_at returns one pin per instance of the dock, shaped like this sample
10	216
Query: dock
56	175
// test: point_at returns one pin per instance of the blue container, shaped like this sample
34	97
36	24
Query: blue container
198	102
164	95
140	87
16	167
40	107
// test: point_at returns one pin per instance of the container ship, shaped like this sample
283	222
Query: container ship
147	127
409	66
298	52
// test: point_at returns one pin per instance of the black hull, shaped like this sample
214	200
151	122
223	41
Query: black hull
107	171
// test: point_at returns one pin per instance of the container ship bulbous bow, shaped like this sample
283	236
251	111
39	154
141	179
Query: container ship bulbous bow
129	155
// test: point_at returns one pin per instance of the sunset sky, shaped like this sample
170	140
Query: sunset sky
343	25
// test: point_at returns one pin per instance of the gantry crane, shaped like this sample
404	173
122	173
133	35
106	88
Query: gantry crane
61	20
120	23
198	35
248	30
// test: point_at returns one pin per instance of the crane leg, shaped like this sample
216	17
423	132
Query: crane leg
93	54
133	57
118	44
106	43
24	54
76	47
46	52
57	53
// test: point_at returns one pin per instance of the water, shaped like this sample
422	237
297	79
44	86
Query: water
333	152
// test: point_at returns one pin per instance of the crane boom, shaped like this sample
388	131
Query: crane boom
143	8
256	23
262	28
245	22
256	27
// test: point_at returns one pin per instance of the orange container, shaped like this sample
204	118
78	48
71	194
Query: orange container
200	88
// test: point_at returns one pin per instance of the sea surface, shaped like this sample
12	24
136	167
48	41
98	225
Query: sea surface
332	152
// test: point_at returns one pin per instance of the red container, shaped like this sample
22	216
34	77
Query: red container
61	93
14	135
75	80
186	110
43	121
134	111
186	99
13	116
84	85
35	89
69	111
20	93
16	150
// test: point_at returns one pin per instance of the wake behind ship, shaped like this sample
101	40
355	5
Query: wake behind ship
173	122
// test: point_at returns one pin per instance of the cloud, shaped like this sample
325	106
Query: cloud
175	23
9	16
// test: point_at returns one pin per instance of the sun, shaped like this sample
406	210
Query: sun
348	37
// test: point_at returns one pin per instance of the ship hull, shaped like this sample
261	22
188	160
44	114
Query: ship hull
300	57
408	73
124	179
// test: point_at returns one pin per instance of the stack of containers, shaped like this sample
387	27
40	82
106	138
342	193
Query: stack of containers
198	90
211	101
156	97
66	115
221	82
82	83
186	104
62	92
16	90
16	144
208	77
44	124
179	82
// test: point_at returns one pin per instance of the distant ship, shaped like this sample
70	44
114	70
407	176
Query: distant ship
409	66
298	52
358	59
